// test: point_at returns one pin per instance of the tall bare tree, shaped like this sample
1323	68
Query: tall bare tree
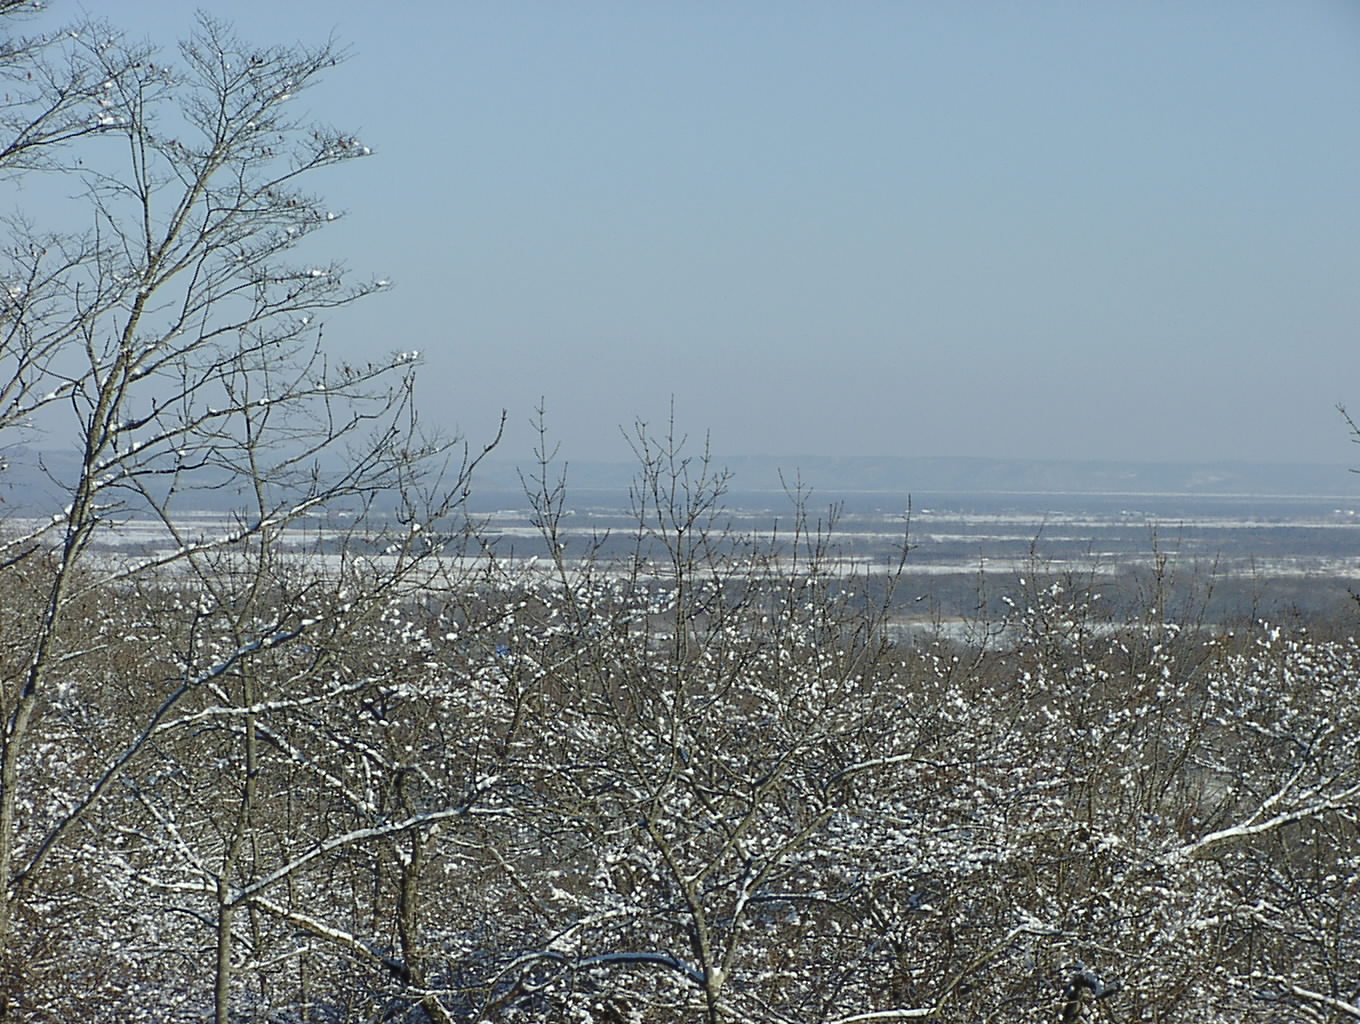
172	334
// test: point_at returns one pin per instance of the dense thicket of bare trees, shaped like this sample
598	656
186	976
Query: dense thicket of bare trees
337	757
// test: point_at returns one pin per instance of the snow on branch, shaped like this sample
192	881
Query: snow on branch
886	1015
1338	802
362	835
1331	1002
616	959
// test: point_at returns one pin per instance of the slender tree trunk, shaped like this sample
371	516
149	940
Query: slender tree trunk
80	521
222	971
226	908
408	905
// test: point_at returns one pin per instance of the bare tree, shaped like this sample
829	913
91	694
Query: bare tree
176	340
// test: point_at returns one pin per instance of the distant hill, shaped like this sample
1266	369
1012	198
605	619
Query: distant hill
32	479
828	475
1051	476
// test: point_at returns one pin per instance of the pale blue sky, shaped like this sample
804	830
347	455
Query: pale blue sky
1091	229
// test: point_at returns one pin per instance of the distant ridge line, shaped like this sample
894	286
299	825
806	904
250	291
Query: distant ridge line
827	474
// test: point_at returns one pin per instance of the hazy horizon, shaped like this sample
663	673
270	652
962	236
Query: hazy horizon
834	477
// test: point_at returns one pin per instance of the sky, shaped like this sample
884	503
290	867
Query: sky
1070	230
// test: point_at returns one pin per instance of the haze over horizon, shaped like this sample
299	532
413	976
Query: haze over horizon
1057	231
